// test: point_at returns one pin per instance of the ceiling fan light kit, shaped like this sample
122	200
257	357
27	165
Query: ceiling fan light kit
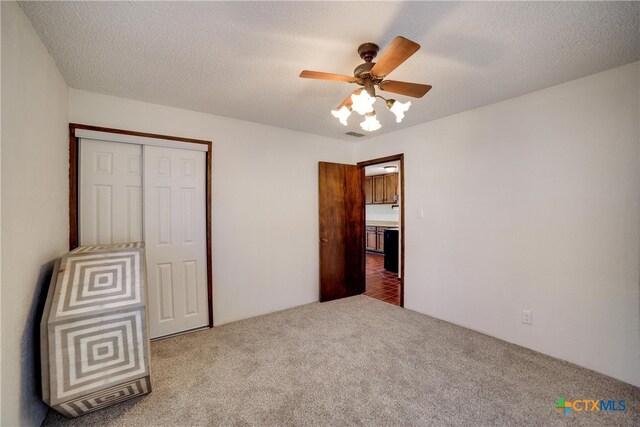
371	74
398	108
342	114
371	122
362	103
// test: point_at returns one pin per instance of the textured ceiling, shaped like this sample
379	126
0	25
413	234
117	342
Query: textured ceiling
242	59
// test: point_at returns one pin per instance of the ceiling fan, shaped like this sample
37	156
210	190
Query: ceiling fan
372	74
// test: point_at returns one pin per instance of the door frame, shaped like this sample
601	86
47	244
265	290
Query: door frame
392	158
74	144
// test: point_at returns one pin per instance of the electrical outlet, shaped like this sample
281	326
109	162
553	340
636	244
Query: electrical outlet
527	317
420	213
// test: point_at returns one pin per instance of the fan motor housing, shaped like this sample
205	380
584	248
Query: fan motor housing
368	51
363	73
363	69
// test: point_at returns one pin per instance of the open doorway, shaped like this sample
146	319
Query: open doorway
384	232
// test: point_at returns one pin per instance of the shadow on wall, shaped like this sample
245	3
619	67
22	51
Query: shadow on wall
31	405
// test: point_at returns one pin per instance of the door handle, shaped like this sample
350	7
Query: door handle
324	240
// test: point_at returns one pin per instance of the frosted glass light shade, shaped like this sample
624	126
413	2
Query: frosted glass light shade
398	108
370	123
342	114
362	103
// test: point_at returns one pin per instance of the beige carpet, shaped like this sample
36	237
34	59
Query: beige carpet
357	361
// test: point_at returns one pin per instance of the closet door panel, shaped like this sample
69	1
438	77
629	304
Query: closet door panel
175	232
110	205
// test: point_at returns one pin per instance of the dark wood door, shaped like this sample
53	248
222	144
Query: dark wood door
341	207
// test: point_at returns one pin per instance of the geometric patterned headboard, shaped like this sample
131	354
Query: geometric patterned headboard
94	330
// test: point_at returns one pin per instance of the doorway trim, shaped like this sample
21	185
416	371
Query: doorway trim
74	141
392	158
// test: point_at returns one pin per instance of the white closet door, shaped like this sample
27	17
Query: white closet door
175	235
110	192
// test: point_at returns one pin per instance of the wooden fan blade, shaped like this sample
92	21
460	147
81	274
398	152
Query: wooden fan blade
306	74
347	100
415	90
398	51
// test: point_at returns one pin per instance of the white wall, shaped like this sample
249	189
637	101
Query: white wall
35	202
381	213
531	203
265	199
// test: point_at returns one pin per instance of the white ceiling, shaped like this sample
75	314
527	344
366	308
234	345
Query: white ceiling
242	59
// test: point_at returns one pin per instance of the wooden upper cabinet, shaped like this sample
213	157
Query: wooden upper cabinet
368	190
390	187
378	188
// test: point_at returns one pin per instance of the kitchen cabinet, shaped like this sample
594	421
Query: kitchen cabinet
378	189
368	190
380	239
390	187
381	189
372	238
375	238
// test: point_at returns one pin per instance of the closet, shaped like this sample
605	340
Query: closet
133	188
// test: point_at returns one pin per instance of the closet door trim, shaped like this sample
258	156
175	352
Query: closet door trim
140	140
76	131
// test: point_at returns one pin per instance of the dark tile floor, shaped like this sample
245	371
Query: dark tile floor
381	284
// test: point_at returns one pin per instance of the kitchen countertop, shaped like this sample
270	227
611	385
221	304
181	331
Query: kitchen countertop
382	223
